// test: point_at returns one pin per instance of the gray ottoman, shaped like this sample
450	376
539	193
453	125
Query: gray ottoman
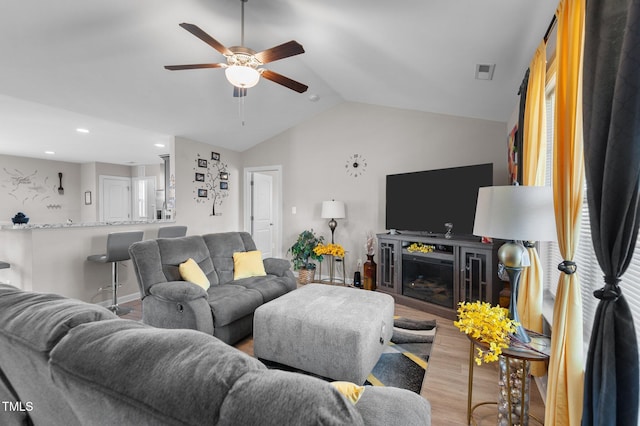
335	332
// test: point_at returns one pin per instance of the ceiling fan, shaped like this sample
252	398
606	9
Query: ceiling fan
243	67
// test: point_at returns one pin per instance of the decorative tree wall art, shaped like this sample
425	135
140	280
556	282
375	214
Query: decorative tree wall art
207	179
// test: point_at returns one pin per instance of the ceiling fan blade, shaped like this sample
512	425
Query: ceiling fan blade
239	92
192	66
196	31
285	81
282	51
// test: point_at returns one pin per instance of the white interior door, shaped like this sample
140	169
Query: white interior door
115	199
262	220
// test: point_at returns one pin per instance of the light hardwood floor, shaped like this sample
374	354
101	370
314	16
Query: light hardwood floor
446	381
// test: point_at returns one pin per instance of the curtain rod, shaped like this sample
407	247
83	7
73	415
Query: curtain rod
550	28
546	37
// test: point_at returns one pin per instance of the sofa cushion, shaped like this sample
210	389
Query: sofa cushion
40	320
144	375
174	251
221	248
384	405
270	286
248	264
145	257
231	302
275	398
190	271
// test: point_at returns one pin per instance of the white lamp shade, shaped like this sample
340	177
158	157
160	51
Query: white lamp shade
242	76
521	213
333	210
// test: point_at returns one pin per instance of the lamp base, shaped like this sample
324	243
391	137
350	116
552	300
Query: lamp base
332	226
514	278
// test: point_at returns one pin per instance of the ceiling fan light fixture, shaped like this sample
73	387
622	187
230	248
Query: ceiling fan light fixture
242	76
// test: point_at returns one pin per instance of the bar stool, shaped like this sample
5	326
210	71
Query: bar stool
118	244
172	231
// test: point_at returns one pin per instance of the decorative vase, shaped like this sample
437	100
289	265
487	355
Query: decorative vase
306	276
369	273
20	219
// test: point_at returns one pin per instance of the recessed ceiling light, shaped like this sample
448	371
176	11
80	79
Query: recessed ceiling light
81	130
159	145
314	97
49	152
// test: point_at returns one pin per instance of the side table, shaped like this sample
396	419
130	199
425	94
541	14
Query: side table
540	345
333	260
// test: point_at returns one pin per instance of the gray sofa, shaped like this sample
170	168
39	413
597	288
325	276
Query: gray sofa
70	363
226	309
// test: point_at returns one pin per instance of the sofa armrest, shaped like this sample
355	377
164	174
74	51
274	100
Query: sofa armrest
382	406
178	304
277	267
178	291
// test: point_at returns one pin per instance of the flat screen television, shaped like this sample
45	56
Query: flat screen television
425	201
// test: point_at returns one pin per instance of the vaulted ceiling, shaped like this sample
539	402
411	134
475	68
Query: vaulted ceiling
99	65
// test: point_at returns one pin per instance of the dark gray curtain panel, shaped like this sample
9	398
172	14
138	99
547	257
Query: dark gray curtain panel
611	92
519	142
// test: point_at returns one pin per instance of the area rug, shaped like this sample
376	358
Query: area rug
404	362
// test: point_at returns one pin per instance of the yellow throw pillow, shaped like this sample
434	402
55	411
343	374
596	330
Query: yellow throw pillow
190	271
248	264
350	390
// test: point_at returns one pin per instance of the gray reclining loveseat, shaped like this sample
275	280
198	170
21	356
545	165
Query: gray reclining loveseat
226	309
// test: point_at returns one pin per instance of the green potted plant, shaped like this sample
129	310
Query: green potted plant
302	252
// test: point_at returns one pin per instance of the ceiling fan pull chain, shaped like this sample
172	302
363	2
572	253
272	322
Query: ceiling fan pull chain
241	109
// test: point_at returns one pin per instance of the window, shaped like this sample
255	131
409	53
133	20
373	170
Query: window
588	267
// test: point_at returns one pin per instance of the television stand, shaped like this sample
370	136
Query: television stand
433	273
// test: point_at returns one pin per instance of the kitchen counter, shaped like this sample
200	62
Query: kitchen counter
52	258
81	224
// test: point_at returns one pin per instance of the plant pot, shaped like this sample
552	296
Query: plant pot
306	276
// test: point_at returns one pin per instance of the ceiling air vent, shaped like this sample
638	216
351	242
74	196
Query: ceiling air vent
485	71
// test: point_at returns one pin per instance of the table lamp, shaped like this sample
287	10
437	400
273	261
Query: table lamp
515	213
332	210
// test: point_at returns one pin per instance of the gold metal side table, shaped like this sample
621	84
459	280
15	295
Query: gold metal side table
332	260
541	346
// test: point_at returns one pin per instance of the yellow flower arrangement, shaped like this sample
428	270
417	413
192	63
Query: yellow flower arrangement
330	249
422	248
487	324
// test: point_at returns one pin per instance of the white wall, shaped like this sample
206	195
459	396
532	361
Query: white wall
30	185
89	183
313	156
196	212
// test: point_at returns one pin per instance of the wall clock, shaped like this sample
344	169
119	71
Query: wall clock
356	165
